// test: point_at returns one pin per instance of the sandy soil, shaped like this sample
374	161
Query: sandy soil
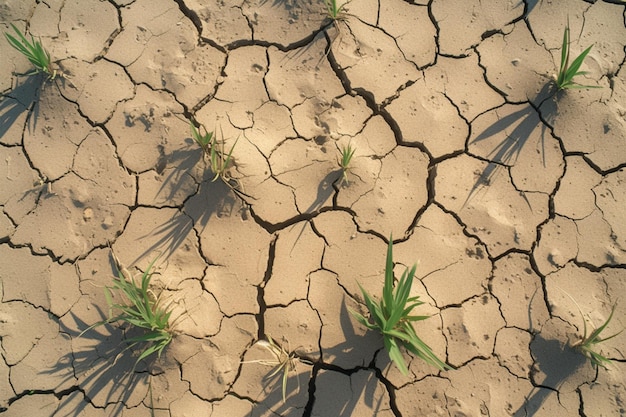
510	196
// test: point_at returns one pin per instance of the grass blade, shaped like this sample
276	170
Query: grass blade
141	311
388	286
392	317
32	50
567	72
564	54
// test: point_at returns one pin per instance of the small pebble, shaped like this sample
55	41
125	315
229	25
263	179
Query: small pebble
87	214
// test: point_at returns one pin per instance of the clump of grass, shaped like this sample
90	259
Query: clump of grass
346	152
587	345
34	51
567	72
142	310
213	150
392	317
283	361
335	11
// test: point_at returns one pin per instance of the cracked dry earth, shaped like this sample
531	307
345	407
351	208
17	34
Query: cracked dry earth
510	196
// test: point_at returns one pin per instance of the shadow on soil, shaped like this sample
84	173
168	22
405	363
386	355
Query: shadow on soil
324	374
559	363
107	372
505	154
529	4
212	198
183	162
18	101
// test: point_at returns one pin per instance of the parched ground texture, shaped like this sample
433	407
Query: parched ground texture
510	196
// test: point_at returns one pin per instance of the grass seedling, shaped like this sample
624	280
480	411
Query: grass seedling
392	317
588	344
213	150
334	11
205	140
346	152
142	310
567	72
283	361
34	51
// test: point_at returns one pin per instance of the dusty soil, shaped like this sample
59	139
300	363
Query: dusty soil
509	195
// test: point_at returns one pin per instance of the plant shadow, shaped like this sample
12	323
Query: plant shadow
211	198
18	101
105	371
275	3
555	363
559	363
363	389
528	4
182	163
505	154
325	190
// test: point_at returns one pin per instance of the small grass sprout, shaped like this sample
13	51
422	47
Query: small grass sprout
283	361
346	152
34	51
335	11
142	310
213	150
587	345
391	316
567	72
205	140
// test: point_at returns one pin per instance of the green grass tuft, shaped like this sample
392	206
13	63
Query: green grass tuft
142	310
346	152
391	316
213	150
587	345
567	72
34	51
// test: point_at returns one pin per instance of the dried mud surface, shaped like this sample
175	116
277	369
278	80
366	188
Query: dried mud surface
509	195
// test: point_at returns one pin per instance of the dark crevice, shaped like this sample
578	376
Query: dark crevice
474	358
511	251
465	229
340	73
308	408
391	390
110	40
490	33
261	288
596	268
275	227
434	22
58	394
400	89
213	44
598	169
306	41
581	406
437	160
430	189
321	236
191	15
503	94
